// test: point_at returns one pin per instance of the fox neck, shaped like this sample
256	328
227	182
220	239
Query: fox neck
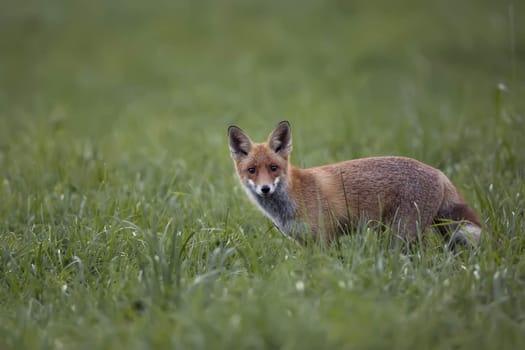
277	206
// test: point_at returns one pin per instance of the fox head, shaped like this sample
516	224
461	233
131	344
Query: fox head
262	167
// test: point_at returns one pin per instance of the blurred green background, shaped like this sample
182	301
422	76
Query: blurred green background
113	150
363	74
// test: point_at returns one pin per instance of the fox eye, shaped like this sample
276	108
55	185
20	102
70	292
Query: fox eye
274	167
251	170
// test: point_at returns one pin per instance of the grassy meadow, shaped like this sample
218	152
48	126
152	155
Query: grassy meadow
123	226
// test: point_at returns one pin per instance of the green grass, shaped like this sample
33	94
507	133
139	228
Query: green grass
122	224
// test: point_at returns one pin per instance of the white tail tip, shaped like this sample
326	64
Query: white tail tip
467	234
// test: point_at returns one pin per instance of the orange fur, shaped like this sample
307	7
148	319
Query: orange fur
399	191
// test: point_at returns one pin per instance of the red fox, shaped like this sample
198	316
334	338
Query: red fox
326	200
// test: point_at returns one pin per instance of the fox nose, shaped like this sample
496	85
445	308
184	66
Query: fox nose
265	189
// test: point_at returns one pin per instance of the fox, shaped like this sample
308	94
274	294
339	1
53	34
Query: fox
326	201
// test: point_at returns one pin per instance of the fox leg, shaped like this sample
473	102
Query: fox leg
298	230
410	220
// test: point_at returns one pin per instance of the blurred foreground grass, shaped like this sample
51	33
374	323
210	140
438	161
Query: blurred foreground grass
122	225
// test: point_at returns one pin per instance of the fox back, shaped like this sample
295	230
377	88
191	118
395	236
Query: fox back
330	199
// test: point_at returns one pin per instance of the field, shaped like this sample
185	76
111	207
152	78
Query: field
123	225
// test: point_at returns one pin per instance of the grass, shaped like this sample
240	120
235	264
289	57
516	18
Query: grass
122	224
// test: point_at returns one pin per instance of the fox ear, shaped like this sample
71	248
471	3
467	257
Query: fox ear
280	140
240	143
